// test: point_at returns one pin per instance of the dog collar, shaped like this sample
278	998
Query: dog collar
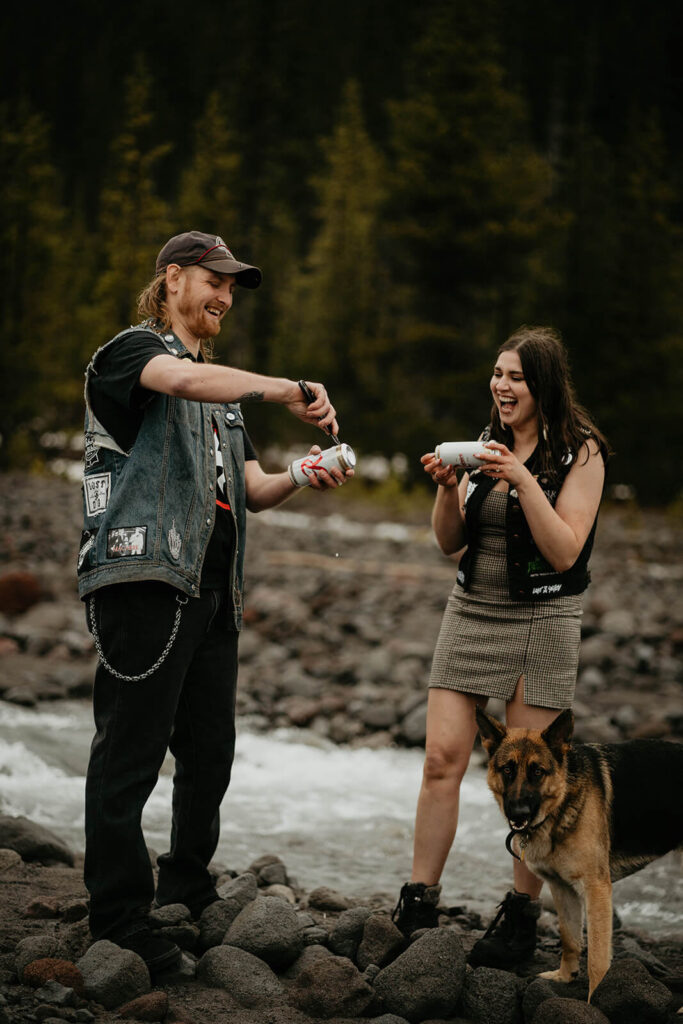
525	837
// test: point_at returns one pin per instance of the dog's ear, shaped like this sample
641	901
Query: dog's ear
492	731
558	735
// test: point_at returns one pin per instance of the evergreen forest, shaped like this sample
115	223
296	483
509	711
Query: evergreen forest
414	180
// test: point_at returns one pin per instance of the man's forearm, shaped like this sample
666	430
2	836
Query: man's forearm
208	382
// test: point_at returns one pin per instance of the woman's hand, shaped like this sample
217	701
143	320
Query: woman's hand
498	462
440	474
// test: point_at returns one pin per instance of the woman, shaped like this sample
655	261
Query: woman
526	521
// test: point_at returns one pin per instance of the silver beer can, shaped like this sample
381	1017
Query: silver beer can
301	471
462	454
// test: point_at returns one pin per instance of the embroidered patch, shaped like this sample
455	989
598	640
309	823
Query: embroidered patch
97	489
175	542
126	541
92	451
87	542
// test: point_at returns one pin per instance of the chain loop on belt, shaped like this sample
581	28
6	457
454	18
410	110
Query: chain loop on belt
182	600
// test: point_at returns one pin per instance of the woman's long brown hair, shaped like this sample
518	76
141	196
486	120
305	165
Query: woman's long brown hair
564	425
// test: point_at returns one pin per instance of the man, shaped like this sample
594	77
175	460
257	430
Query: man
169	474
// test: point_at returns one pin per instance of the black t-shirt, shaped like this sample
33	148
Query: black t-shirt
118	401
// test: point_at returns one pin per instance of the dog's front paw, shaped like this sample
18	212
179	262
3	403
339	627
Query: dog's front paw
561	974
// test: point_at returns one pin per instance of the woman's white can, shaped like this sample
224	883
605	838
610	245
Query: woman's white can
301	471
461	454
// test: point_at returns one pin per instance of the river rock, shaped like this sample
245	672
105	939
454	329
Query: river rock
492	996
413	728
269	929
310	955
324	898
536	993
331	987
8	859
572	1011
35	947
38	972
381	941
32	841
215	919
427	979
628	993
112	975
150	1007
171	914
248	980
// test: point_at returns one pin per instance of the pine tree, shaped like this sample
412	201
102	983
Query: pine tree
36	256
134	220
336	314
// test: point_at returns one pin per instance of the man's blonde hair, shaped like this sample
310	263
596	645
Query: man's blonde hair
152	306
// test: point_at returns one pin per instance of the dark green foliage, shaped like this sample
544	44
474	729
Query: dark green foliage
415	181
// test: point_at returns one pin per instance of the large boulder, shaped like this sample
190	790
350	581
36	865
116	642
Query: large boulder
331	987
112	975
492	996
427	980
33	842
628	993
246	978
269	929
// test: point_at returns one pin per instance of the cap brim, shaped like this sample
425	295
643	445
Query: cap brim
245	275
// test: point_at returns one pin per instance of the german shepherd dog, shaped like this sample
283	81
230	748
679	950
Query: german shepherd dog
581	817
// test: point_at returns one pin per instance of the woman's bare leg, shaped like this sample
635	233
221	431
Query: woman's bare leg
451	729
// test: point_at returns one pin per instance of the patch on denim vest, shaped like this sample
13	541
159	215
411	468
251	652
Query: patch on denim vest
126	541
97	489
175	542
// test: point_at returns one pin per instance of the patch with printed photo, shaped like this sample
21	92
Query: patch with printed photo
97	489
126	541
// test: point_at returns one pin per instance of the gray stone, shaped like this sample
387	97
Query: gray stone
55	994
572	1011
324	898
35	947
347	932
32	841
389	1018
427	980
269	929
9	859
218	916
620	622
248	980
281	892
331	987
310	955
413	728
381	942
492	996
273	874
112	975
172	913
536	993
315	936
628	993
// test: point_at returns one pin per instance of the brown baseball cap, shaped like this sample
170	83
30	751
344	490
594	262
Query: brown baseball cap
194	248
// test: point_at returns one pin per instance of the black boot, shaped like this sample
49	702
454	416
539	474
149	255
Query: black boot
511	936
416	907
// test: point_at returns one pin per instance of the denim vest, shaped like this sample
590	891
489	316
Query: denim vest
149	512
530	576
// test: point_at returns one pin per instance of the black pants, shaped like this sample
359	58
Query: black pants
188	706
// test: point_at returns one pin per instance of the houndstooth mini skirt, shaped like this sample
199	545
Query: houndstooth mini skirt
487	641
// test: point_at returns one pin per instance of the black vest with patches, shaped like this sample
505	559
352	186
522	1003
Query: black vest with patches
530	576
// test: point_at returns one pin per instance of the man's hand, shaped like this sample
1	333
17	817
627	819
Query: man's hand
320	412
322	479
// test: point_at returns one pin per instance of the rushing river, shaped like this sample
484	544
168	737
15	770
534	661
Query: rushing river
336	816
